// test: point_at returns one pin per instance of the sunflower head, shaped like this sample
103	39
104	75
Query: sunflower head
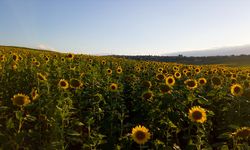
46	58
104	62
70	56
63	59
175	68
233	80
15	57
14	66
246	84
197	114
236	90
216	81
140	134
41	77
177	75
164	71
197	70
90	61
2	58
75	83
34	94
170	81
63	84
242	133
160	76
109	71
148	95
165	88
119	70
20	99
113	87
202	81
147	84
137	69
160	69
191	84
36	63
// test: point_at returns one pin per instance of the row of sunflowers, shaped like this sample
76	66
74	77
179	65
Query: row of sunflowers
51	100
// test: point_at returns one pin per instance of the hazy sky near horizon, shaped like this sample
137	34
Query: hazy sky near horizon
124	26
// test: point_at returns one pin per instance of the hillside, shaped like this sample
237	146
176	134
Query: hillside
223	51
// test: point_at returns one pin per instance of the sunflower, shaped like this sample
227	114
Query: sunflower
2	58
202	81
191	84
20	99
97	97
41	77
164	71
63	59
246	84
197	114
188	73
148	95
113	87
37	63
63	84
46	58
236	90
109	71
104	62
34	94
216	81
90	61
160	76
177	75
82	74
242	133
165	88
147	84
176	68
15	57
184	71
160	69
70	56
75	83
248	75
119	70
140	134
14	66
197	70
233	80
170	81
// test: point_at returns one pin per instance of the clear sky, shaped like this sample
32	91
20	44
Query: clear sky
124	26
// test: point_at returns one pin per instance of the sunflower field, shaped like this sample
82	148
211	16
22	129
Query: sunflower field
59	101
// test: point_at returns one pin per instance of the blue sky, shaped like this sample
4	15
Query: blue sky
124	26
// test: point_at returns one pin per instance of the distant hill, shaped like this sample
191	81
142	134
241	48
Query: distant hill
224	51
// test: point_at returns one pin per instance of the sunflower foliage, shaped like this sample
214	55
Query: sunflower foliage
51	100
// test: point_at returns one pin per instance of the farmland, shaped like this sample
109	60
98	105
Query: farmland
51	100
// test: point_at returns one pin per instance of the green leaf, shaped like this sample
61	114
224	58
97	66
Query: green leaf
10	124
78	123
233	126
224	147
225	135
30	118
19	115
73	133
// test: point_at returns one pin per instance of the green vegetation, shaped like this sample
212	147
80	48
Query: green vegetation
52	100
241	60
